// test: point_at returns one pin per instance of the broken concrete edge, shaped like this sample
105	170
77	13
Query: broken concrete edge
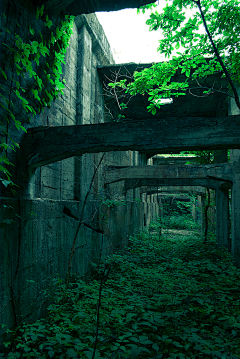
129	68
76	7
101	46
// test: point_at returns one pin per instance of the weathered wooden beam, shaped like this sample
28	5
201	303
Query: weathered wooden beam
44	145
220	172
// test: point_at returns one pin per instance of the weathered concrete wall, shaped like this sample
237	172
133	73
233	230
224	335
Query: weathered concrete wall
39	224
35	246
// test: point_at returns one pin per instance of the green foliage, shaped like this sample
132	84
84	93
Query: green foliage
33	74
179	222
202	157
189	49
165	297
111	203
146	7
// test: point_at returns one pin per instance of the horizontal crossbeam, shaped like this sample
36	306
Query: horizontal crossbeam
45	145
208	183
220	172
172	189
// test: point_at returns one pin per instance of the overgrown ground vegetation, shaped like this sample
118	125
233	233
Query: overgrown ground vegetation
165	296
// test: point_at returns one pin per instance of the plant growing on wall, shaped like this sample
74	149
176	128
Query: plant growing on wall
199	46
32	75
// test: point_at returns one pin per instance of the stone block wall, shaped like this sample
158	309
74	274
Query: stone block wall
39	223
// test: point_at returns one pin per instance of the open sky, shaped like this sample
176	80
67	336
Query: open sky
129	36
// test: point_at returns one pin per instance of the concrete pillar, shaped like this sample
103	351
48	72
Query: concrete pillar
235	207
202	203
222	219
83	170
235	195
84	67
222	207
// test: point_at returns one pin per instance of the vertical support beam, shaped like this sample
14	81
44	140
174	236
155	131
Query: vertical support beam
235	195
222	207
84	67
222	219
235	215
202	202
84	88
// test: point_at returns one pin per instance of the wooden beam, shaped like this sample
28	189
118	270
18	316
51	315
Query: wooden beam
44	145
220	172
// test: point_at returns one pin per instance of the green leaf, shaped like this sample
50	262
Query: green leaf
3	73
154	110
88	354
155	347
71	353
40	11
48	23
32	32
5	182
34	46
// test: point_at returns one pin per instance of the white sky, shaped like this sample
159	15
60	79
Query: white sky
129	36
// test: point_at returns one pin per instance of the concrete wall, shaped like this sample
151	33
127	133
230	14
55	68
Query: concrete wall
39	223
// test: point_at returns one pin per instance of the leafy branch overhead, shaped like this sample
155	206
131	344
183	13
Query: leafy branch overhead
32	74
198	46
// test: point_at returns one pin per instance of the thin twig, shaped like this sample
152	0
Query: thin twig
103	280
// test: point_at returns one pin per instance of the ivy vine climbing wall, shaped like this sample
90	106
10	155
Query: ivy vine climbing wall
30	74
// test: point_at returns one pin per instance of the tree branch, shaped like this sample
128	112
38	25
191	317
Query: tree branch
80	222
198	3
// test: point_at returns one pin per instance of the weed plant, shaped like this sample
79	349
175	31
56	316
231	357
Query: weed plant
165	297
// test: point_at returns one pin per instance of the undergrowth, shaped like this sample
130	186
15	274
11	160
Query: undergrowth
164	297
176	221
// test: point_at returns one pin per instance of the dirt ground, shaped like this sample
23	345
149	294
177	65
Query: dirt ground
179	232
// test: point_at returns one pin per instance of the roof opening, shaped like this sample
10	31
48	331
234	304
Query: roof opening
164	101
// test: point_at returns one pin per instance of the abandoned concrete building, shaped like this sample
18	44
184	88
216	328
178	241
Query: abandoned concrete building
67	142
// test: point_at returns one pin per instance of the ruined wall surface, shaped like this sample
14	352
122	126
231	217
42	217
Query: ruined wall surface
39	223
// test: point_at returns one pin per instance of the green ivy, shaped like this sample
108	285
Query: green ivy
37	61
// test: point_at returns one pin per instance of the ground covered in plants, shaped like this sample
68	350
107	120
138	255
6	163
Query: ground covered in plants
166	296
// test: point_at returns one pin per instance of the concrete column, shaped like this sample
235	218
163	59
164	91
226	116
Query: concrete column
84	85
235	207
83	169
222	207
235	195
202	203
